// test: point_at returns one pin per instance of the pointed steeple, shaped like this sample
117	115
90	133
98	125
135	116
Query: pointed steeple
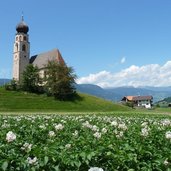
22	27
22	16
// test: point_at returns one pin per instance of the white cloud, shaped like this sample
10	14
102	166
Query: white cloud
147	75
123	60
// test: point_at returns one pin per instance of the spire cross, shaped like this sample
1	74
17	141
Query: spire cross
22	17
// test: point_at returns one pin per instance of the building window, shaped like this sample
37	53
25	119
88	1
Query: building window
24	48
16	47
17	38
25	38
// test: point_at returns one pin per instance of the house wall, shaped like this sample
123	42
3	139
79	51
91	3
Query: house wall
144	103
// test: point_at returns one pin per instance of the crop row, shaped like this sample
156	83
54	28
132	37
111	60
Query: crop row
84	142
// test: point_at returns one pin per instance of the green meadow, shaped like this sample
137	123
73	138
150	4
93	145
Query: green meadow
12	101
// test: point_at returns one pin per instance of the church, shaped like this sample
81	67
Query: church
21	53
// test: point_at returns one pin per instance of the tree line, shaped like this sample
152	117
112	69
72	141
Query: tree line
58	81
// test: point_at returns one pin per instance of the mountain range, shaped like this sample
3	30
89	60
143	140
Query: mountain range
4	81
117	93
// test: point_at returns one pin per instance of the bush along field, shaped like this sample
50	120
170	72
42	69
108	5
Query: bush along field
85	143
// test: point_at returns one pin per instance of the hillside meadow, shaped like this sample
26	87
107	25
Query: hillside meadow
12	101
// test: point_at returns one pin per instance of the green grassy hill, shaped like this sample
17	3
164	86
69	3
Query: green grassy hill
11	101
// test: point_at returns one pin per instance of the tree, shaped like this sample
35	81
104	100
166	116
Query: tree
130	104
59	80
30	79
13	85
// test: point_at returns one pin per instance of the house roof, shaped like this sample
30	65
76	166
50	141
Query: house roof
135	98
42	59
129	97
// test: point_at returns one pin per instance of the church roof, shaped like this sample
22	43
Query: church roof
42	59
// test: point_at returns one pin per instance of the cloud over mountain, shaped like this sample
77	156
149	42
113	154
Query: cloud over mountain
147	75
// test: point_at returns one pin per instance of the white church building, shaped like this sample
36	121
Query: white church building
21	53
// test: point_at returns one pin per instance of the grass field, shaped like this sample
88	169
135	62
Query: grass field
11	101
22	102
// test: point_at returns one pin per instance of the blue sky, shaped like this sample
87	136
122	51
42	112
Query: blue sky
108	43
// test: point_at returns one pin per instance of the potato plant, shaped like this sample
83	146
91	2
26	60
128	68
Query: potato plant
85	143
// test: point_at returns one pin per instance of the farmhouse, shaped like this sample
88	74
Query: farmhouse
139	101
21	53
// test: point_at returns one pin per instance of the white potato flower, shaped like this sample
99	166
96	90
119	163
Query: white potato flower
168	134
68	146
120	134
122	126
104	130
32	161
114	123
95	169
75	134
42	126
166	122
97	135
26	146
59	127
144	124
10	136
144	132
87	125
166	162
95	128
51	134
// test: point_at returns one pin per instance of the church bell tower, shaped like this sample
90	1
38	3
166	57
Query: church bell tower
21	51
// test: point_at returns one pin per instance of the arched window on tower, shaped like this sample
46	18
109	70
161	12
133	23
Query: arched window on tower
25	38
24	48
16	47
